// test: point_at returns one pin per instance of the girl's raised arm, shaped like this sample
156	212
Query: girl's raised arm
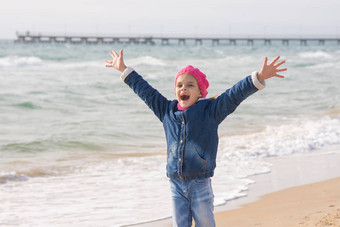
155	101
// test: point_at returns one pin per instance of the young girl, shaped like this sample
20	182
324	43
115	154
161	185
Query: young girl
190	123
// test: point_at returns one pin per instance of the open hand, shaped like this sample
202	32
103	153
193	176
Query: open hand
117	62
271	70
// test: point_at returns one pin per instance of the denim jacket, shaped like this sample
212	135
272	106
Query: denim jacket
191	135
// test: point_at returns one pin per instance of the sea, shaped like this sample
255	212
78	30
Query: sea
79	148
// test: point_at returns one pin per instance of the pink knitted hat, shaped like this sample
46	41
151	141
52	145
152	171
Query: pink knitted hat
200	77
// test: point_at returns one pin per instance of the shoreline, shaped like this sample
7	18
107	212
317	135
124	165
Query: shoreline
316	169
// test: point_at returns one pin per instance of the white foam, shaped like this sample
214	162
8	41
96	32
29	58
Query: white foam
105	193
299	136
13	176
147	60
241	156
16	61
315	55
325	65
78	65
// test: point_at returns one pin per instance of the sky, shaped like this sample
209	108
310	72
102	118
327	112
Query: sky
161	17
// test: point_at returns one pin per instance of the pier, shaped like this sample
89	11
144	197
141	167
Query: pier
29	37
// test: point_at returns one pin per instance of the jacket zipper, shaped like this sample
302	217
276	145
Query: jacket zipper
183	144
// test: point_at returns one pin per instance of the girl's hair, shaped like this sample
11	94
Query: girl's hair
213	97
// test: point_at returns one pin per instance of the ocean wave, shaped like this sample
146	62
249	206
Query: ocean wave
16	61
14	177
302	135
77	65
27	105
315	55
325	65
43	171
241	156
50	144
147	60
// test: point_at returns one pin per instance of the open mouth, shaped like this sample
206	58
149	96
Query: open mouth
185	97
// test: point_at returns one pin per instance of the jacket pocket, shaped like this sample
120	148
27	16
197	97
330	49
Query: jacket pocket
193	163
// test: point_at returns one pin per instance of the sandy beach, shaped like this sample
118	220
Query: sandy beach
299	191
315	204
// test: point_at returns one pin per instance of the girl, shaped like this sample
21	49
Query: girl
190	125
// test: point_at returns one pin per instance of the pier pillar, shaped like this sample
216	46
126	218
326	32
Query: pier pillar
53	39
285	42
149	40
267	42
215	42
181	41
198	41
133	40
232	42
250	42
33	40
303	42
165	41
321	42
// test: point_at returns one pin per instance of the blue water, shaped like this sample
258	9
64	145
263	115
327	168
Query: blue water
70	127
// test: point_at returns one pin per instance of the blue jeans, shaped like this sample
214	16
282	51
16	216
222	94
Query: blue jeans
192	199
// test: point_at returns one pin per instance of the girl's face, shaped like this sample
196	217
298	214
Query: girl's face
187	90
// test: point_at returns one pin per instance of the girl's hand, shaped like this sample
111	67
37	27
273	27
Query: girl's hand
271	70
117	62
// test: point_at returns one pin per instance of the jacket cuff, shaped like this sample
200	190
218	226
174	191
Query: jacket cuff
126	72
256	81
